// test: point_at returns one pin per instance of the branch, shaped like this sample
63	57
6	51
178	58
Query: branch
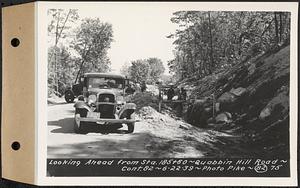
64	25
270	23
56	32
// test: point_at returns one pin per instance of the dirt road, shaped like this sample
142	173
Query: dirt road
156	135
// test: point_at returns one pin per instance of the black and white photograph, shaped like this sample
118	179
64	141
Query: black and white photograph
154	84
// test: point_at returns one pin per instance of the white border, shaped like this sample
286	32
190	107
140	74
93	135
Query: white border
161	181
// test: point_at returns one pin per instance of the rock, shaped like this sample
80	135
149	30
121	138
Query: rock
228	115
227	97
266	112
227	101
223	117
217	107
207	109
183	127
251	69
279	103
238	91
210	120
197	113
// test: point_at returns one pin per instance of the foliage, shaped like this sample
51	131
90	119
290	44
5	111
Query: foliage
144	70
125	70
139	71
156	69
60	20
207	42
59	24
93	39
67	66
69	53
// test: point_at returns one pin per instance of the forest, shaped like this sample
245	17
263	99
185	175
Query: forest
72	49
209	42
205	43
79	48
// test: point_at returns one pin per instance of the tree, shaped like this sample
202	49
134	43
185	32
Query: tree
207	42
139	71
144	70
156	69
93	39
60	21
125	70
66	66
210	44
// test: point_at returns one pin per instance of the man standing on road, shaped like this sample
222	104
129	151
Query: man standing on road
170	93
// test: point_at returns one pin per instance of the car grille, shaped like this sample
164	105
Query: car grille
107	111
103	96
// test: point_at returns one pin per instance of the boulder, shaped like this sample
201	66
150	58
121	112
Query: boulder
210	120
227	101
251	69
217	107
266	112
279	103
223	117
198	114
238	91
227	97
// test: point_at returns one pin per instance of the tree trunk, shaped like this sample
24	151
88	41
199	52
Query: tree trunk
55	71
211	45
276	28
281	28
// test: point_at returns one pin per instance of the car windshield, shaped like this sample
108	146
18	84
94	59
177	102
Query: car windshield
100	82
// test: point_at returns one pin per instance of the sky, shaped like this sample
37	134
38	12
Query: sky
140	28
139	31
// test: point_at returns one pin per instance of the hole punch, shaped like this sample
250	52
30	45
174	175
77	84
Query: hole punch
15	42
15	146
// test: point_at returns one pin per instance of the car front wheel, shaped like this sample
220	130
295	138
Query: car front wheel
130	127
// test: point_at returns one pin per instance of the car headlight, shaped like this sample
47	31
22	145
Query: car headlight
120	99
92	99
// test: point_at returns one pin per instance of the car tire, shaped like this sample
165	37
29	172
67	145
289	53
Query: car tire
69	96
130	127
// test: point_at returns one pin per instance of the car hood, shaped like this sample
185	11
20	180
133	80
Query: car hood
113	91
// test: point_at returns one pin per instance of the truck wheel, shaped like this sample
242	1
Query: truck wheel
130	127
69	96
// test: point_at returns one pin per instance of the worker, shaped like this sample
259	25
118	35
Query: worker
130	89
170	93
183	93
143	86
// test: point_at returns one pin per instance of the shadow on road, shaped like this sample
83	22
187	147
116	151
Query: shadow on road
66	126
110	146
51	103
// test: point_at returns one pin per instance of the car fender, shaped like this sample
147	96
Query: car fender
127	110
82	105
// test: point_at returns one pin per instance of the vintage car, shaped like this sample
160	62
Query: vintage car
103	103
